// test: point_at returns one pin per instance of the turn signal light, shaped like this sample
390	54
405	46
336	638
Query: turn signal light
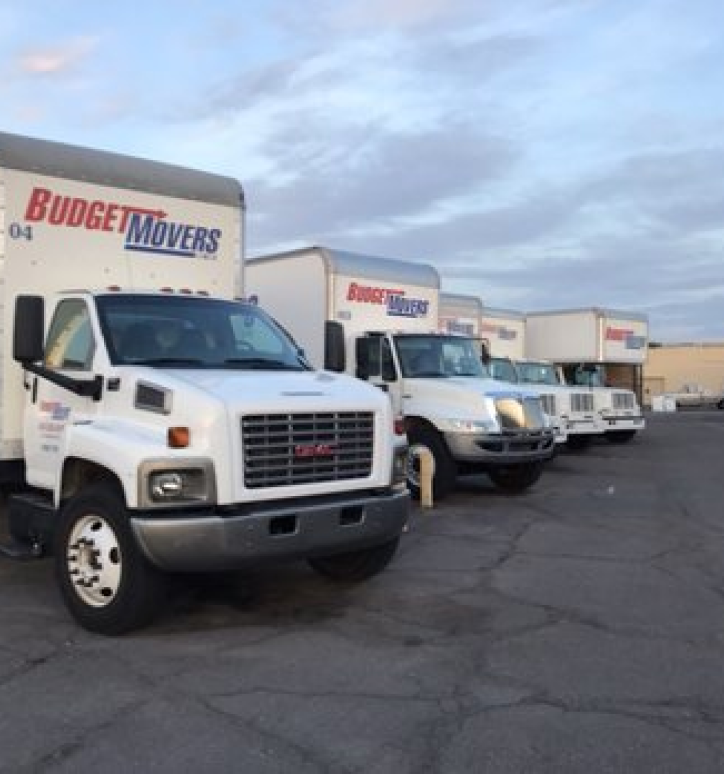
178	437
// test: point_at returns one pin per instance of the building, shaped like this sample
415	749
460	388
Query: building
670	366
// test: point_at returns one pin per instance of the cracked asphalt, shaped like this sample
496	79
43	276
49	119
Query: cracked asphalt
577	628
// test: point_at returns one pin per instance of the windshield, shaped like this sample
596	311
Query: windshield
194	332
538	373
503	370
432	355
585	374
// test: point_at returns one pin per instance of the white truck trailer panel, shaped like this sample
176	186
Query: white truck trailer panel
60	232
460	314
587	336
364	293
505	331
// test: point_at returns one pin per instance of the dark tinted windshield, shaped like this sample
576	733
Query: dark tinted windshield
439	355
538	373
193	332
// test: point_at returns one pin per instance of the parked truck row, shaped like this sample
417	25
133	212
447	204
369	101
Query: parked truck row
153	421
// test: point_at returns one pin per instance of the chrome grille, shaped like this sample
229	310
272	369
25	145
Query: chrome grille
623	400
549	404
582	401
288	449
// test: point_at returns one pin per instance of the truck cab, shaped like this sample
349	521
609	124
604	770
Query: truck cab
618	413
469	422
573	406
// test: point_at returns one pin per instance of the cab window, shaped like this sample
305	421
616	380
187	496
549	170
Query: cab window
70	345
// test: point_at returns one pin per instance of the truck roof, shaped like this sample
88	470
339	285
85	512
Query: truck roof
114	169
597	310
493	311
367	266
460	302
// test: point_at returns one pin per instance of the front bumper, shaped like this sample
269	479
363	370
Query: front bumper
505	448
632	422
258	533
583	426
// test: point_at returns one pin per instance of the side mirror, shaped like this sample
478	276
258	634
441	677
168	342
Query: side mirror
362	358
335	356
29	327
484	352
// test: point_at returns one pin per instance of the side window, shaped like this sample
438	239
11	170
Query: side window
70	345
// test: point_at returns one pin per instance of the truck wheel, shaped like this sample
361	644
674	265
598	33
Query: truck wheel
579	442
106	583
516	478
444	470
356	565
620	436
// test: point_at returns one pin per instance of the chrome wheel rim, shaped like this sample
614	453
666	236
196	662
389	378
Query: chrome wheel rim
94	561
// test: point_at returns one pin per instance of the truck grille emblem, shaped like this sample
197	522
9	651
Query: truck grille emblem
304	451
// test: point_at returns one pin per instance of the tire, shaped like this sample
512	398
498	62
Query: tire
515	479
444	469
620	436
720	404
579	442
355	566
94	543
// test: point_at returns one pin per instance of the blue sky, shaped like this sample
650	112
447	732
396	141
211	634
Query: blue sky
542	154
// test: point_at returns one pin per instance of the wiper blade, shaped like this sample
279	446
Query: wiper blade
161	361
261	362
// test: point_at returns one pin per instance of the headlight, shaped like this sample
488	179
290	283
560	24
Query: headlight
468	426
175	483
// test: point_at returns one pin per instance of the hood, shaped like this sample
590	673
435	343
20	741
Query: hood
269	391
460	396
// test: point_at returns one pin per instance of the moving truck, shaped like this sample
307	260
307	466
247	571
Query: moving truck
153	423
504	330
464	314
378	319
573	408
593	347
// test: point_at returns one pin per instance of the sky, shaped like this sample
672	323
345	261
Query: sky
541	154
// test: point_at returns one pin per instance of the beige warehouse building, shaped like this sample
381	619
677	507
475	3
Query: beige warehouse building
669	367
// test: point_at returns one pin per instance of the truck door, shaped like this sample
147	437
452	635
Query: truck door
50	408
376	363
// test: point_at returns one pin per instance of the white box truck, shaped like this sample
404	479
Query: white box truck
154	423
573	408
593	347
385	313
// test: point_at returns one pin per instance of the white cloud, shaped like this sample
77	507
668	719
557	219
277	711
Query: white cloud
55	60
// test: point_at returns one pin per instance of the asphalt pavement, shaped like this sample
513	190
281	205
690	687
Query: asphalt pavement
576	628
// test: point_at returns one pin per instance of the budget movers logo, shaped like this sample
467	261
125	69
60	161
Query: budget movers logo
458	326
627	336
145	230
395	300
503	333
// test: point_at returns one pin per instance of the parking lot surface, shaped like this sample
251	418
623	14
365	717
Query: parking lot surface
576	628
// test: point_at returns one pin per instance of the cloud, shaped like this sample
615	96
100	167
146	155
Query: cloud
372	182
56	60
